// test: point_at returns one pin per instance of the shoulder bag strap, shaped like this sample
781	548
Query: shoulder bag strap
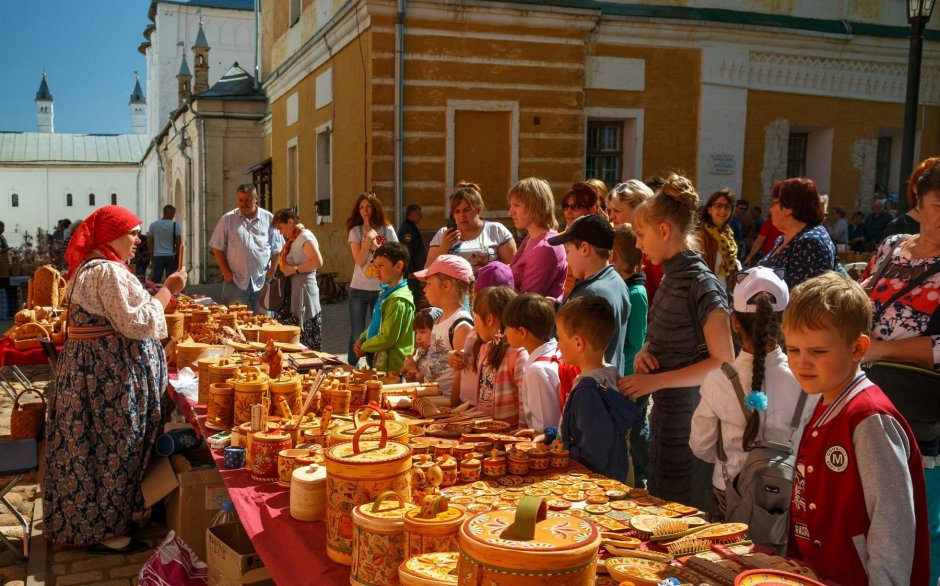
797	415
873	282
701	348
905	290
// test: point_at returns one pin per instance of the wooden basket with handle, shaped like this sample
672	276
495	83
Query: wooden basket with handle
25	340
27	418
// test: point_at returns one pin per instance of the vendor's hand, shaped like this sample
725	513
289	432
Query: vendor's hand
357	349
176	282
456	360
644	362
450	238
529	432
636	386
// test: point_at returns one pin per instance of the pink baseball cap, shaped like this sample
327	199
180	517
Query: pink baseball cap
494	274
450	265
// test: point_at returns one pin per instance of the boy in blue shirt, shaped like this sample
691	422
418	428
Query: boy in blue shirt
596	417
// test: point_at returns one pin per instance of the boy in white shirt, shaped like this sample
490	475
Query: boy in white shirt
528	322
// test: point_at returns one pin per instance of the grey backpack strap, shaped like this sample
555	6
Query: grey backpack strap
732	375
797	414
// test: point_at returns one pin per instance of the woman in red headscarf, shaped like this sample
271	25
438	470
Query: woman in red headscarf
104	414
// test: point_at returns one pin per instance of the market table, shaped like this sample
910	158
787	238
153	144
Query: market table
10	361
293	551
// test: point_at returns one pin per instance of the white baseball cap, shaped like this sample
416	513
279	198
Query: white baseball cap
757	280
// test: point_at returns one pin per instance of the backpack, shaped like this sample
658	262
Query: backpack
566	375
759	495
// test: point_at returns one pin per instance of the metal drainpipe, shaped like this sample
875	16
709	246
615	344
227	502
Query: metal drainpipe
203	184
189	196
400	112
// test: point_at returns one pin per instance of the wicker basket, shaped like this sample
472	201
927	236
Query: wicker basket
26	419
29	343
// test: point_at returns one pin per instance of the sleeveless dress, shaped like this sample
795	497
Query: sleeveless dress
104	414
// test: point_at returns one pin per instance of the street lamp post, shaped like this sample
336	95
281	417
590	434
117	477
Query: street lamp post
918	13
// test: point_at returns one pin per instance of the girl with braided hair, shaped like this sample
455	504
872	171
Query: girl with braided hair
771	390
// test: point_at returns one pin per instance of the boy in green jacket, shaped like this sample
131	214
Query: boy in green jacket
390	336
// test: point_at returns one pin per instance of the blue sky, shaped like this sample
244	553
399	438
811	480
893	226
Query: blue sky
89	51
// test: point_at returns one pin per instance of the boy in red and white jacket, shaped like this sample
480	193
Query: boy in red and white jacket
858	513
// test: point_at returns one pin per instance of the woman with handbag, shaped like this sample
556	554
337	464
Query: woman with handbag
298	261
903	282
104	416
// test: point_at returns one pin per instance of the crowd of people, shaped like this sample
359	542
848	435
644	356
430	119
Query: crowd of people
566	335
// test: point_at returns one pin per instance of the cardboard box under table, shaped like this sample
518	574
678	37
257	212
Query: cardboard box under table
232	558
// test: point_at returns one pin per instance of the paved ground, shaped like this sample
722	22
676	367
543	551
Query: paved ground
50	564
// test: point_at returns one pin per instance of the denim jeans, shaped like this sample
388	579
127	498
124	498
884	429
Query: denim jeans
232	294
361	304
161	267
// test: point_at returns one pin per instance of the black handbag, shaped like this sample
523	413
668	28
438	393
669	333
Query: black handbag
914	391
275	295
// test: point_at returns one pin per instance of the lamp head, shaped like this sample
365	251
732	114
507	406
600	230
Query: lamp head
919	9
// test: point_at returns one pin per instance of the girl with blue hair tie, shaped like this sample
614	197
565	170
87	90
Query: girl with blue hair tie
770	389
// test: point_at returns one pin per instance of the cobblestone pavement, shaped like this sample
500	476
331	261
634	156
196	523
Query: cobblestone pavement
55	565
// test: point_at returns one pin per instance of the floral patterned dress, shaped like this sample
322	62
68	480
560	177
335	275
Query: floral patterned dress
104	414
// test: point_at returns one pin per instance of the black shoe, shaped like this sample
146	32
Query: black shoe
133	546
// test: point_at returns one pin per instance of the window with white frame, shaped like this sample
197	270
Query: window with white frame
324	173
604	152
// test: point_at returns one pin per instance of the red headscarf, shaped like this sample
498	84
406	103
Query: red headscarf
95	231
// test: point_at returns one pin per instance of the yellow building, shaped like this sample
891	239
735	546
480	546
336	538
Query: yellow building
407	98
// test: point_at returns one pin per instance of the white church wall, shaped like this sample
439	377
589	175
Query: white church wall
43	194
230	37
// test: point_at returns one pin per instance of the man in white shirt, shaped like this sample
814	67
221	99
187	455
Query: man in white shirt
245	244
163	242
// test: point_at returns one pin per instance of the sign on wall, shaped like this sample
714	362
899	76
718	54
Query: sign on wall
722	164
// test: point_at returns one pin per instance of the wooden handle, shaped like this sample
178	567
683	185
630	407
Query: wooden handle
181	261
370	407
432	506
377	503
529	511
383	436
16	401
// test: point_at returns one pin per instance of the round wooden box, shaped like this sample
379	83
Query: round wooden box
188	352
287	385
250	388
263	451
174	325
202	365
357	472
396	430
528	547
308	493
434	526
338	399
220	408
378	540
279	333
222	371
433	569
250	332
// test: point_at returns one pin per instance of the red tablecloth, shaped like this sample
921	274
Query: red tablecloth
10	356
293	551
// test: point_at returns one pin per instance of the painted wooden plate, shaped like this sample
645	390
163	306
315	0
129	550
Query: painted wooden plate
772	578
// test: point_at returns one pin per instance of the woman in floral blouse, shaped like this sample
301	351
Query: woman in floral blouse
805	248
906	327
104	413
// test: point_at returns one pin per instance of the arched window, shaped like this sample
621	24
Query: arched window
68	199
16	200
91	199
114	199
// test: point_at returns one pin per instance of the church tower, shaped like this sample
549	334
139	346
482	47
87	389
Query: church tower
44	107
138	106
184	82
201	62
